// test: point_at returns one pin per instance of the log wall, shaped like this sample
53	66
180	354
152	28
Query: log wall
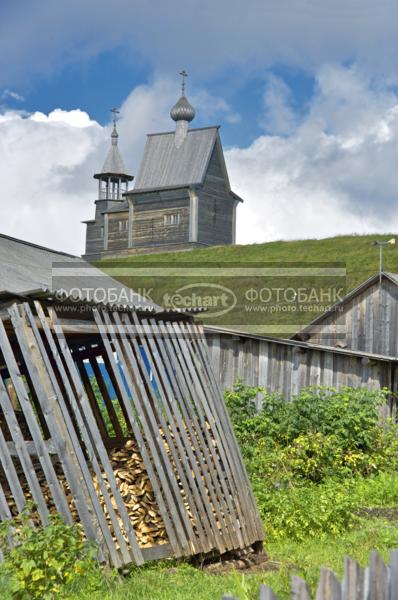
287	366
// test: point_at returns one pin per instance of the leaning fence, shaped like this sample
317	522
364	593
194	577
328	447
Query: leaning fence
375	582
148	466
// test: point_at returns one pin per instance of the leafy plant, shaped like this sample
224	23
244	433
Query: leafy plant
307	511
105	413
44	560
304	455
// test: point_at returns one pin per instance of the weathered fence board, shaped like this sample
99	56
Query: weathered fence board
150	469
225	428
287	366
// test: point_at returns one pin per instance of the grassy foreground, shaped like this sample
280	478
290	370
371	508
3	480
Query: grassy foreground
172	582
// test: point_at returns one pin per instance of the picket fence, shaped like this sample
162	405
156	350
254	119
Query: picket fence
375	582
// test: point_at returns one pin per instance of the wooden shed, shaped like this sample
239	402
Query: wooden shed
112	417
288	366
366	319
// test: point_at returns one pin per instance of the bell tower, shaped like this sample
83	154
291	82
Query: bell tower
113	180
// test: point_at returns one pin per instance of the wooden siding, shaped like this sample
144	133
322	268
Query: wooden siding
216	206
94	239
367	322
118	238
149	227
287	368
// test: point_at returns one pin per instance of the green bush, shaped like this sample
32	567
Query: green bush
45	560
306	456
311	510
380	490
322	432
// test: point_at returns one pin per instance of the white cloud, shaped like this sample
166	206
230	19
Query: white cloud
13	95
279	116
46	164
335	173
74	118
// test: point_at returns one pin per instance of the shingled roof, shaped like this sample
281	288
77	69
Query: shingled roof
26	267
165	165
114	162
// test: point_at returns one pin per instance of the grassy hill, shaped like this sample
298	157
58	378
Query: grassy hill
204	274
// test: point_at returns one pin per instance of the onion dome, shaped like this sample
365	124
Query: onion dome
182	110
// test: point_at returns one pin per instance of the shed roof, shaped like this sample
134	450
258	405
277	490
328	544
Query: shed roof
165	165
25	267
234	333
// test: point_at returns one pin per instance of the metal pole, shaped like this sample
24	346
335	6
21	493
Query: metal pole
381	262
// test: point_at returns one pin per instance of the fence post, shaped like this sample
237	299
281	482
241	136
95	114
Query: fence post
329	587
394	574
299	589
378	582
266	593
353	587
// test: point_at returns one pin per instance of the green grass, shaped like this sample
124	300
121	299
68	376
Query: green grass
173	581
183	582
355	251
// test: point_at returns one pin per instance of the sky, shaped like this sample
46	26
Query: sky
306	93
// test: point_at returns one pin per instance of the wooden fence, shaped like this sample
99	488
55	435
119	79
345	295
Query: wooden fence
287	366
376	582
57	435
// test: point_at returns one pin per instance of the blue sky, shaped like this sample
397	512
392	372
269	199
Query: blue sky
106	80
305	92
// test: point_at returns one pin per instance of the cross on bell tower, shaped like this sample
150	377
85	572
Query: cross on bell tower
115	112
184	75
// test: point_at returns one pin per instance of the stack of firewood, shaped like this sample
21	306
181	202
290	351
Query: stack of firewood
137	493
135	489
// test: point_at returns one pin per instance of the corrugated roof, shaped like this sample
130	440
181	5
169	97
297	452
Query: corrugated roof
165	165
26	267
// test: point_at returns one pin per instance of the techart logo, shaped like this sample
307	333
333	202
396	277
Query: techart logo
216	299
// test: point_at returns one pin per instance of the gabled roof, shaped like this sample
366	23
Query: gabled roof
165	165
25	267
393	277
